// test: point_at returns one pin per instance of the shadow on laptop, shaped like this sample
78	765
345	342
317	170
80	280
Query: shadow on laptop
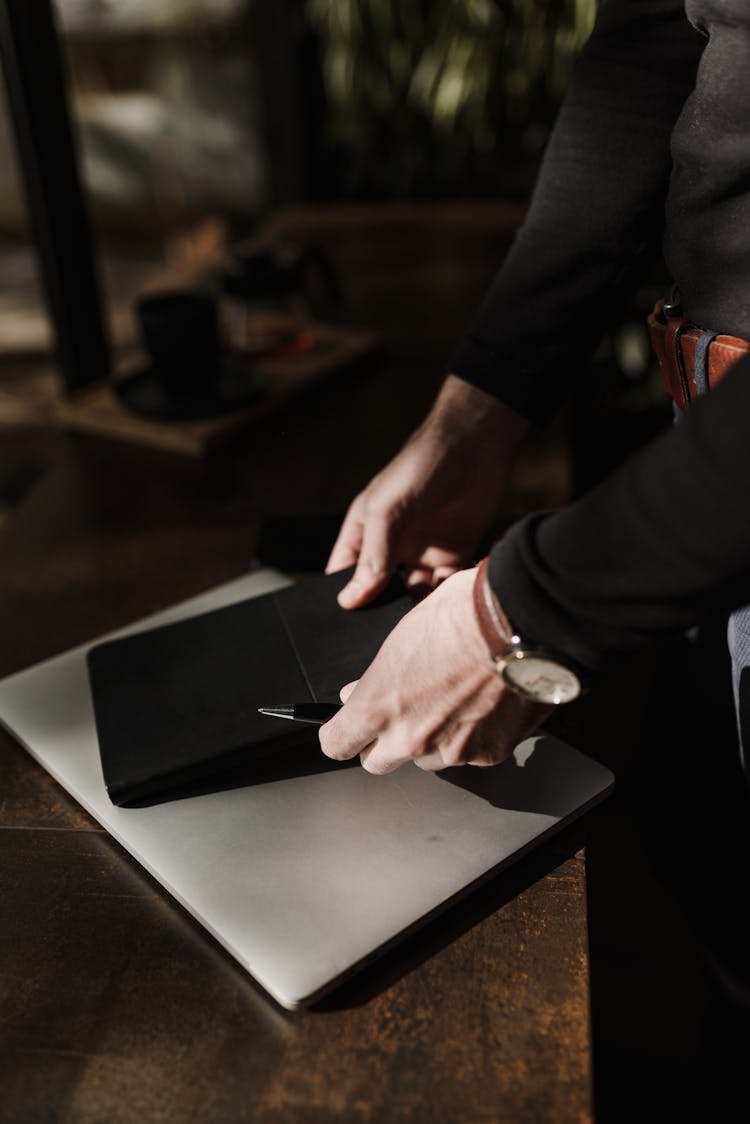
525	782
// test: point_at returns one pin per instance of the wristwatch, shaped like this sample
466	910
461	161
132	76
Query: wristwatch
532	672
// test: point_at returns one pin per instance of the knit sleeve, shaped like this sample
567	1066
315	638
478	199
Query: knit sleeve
596	213
661	544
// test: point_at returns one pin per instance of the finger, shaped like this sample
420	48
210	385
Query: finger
457	746
430	762
437	557
418	582
420	575
343	737
440	573
375	759
433	762
347	689
345	551
375	564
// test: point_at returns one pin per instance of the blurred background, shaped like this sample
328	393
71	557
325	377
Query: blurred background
196	118
188	108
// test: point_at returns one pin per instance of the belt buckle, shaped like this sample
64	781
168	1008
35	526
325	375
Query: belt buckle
671	306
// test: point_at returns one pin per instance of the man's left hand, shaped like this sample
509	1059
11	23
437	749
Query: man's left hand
431	695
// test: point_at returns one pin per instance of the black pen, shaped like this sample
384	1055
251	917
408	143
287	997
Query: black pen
313	713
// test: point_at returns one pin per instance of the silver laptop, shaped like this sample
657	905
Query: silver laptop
305	879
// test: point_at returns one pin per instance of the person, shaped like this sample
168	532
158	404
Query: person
652	144
630	561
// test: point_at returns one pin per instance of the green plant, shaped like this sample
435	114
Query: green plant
445	65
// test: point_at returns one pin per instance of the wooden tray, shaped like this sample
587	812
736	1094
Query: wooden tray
97	408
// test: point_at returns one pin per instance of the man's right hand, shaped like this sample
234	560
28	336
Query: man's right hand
428	510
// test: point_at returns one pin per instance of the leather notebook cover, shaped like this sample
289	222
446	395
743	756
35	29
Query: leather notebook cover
178	704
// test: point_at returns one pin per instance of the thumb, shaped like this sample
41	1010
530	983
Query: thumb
375	564
346	690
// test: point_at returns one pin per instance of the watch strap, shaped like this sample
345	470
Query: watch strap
493	623
506	650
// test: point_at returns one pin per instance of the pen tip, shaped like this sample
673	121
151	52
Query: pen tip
277	711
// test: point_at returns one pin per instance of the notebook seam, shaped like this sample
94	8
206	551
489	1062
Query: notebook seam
295	649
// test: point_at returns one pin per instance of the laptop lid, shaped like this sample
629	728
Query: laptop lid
304	874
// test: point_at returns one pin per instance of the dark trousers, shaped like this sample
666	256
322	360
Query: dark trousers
668	868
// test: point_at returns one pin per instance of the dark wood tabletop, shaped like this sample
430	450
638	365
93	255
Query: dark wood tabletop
114	1004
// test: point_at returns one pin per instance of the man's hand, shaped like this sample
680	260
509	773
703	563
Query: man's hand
428	510
431	695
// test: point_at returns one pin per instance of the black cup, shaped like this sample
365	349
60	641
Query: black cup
180	330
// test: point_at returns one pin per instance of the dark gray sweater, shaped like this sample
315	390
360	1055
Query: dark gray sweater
653	141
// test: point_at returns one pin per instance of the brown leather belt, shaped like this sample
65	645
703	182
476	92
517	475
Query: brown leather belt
674	340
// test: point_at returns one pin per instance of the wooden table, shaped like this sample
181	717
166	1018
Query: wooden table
114	1004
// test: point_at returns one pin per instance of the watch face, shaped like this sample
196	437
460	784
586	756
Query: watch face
541	678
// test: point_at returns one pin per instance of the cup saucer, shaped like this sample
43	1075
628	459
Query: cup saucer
238	384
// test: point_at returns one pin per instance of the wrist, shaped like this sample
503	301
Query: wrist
529	670
461	407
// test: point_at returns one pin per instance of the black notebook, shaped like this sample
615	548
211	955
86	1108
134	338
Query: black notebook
178	704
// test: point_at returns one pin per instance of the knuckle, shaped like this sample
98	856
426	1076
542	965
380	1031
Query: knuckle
360	501
385	509
380	508
371	720
374	568
375	766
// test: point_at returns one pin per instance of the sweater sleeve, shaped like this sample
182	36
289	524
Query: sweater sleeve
654	549
596	212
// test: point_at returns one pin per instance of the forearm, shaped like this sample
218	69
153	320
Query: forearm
596	213
654	549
